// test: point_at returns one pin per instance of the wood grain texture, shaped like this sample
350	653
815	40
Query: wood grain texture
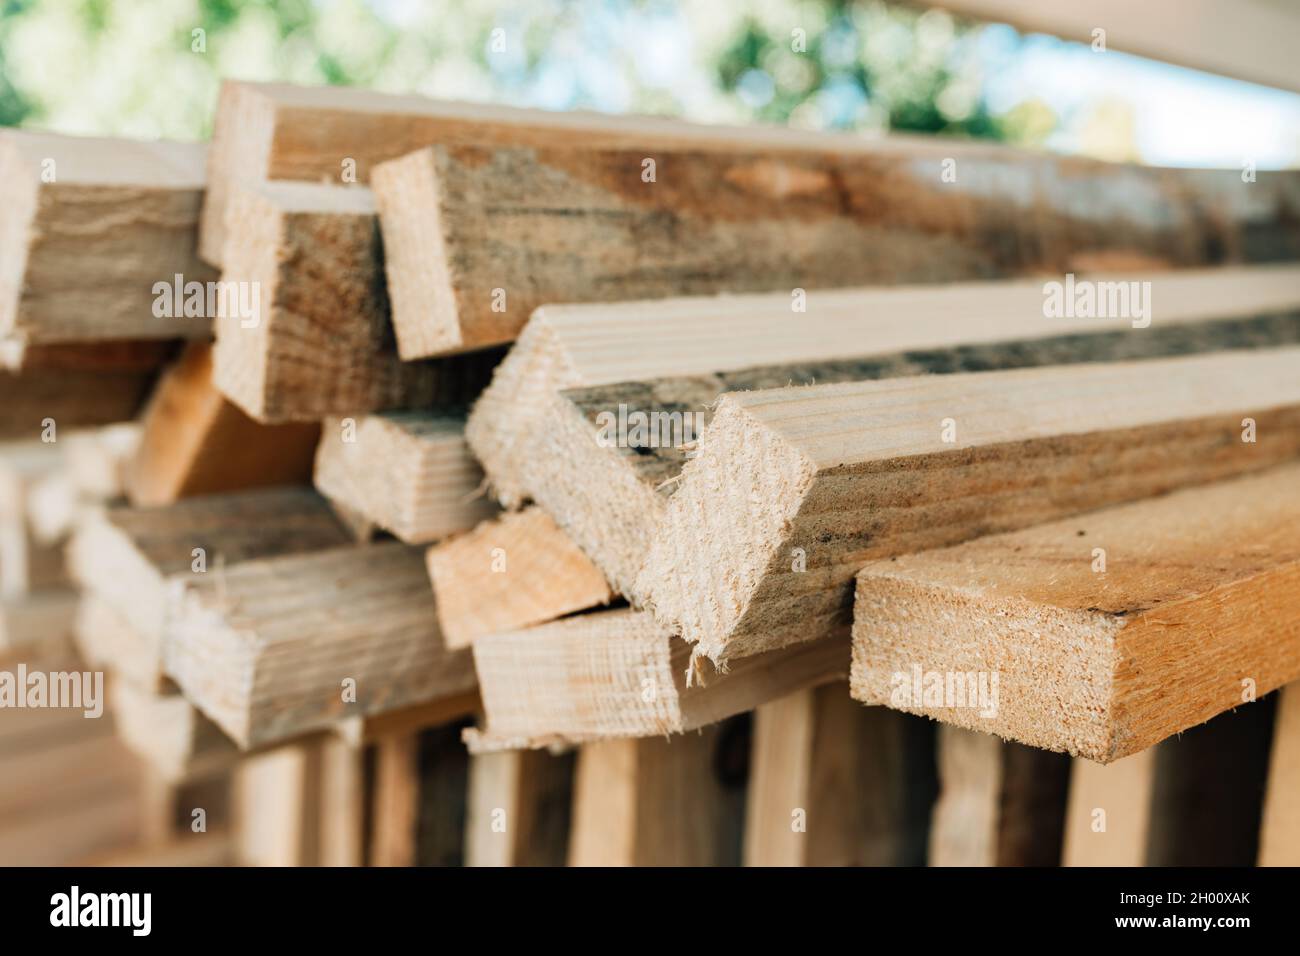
511	573
410	473
396	799
545	428
834	784
620	674
1279	835
197	442
476	237
69	397
855	472
1000	804
1099	663
657	802
518	808
265	647
322	343
90	226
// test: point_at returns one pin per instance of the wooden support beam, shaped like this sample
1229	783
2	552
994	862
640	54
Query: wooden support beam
130	558
169	734
657	802
321	343
396	801
276	807
274	648
1099	635
548	426
510	573
1279	836
829	477
518	808
91	225
835	784
1109	813
196	442
619	673
1000	804
410	473
26	565
343	799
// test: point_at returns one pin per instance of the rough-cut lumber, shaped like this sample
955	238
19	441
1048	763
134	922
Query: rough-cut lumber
276	808
518	808
321	343
98	459
90	226
619	673
795	489
831	785
1000	804
396	801
1099	663
169	734
1109	811
272	131
274	648
476	237
107	640
1279	835
1248	41
541	430
511	573
197	442
131	557
657	802
410	473
343	799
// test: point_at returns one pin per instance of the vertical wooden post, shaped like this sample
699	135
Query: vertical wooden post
519	805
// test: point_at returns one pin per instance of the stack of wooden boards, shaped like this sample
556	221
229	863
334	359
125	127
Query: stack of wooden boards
641	456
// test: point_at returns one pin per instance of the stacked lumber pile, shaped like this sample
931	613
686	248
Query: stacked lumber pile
514	488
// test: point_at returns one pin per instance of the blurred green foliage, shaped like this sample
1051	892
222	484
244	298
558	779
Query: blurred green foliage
152	67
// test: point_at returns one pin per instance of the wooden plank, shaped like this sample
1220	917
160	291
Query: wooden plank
835	784
618	673
1109	812
1245	40
854	472
410	473
273	131
26	564
276	807
545	428
518	808
71	398
131	558
1098	635
108	641
1279	835
197	442
396	801
98	459
343	798
274	648
322	343
168	734
510	573
91	226
657	802
1000	804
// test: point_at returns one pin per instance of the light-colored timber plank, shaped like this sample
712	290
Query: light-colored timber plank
169	734
27	565
396	801
510	573
410	473
1109	811
1000	804
276	807
1105	633
795	489
91	225
97	459
343	799
197	442
657	802
832	784
1279	835
273	648
518	808
107	640
618	673
477	237
131	558
321	342
1247	43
